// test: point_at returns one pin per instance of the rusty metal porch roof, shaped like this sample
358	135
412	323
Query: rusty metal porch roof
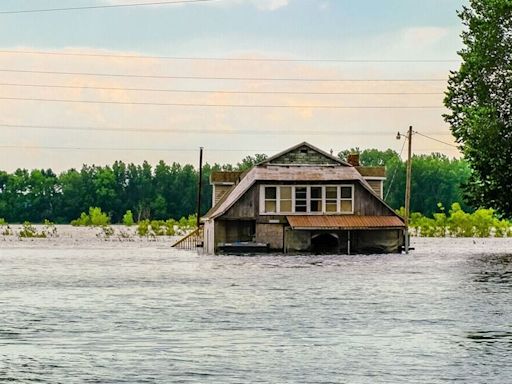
310	222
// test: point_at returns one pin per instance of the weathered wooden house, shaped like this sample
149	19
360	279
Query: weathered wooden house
302	200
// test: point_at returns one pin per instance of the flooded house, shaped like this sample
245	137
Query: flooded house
302	200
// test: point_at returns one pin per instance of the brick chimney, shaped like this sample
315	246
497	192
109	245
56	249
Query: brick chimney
353	159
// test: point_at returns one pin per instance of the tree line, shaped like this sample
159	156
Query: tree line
167	191
436	178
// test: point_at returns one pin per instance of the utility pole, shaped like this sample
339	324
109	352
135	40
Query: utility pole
408	189
200	186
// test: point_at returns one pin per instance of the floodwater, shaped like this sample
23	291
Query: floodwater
104	312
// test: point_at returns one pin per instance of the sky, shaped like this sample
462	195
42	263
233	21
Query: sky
154	59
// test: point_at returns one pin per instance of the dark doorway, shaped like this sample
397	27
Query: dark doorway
325	243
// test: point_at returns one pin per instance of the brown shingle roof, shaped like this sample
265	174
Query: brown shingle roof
279	173
225	176
372	171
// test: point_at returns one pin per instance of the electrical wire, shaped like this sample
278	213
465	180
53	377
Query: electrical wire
241	59
403	146
439	141
215	77
197	131
18	147
225	105
394	173
132	149
220	91
90	7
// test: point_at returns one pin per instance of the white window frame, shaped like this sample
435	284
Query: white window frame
278	212
263	199
351	199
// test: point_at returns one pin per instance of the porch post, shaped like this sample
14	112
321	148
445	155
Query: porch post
348	242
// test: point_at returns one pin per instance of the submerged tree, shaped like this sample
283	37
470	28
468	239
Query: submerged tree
479	96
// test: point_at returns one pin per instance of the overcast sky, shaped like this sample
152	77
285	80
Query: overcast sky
236	29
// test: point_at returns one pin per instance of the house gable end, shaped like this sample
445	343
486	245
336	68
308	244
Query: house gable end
304	154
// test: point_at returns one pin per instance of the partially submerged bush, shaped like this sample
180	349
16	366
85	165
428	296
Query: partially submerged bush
95	218
128	218
482	223
156	227
144	228
106	231
5	228
29	231
49	228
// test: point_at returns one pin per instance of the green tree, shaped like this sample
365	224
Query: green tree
479	98
371	157
435	178
250	161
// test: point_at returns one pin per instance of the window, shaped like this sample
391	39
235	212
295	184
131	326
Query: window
346	205
285	199
331	199
301	199
271	199
315	200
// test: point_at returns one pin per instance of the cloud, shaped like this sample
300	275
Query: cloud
270	5
424	36
355	127
263	5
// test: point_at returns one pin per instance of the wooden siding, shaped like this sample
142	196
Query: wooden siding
303	155
273	234
376	186
247	207
219	190
368	205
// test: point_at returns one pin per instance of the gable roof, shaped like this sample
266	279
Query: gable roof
277	173
330	159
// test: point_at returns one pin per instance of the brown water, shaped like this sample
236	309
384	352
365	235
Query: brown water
112	313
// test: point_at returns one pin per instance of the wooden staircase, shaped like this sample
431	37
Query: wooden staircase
192	240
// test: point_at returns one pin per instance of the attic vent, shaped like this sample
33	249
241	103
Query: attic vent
304	151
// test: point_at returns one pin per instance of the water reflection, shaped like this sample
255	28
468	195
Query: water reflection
493	268
490	337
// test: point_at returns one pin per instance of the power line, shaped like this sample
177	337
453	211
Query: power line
132	149
200	131
241	59
104	6
221	91
394	173
215	77
227	105
79	148
439	141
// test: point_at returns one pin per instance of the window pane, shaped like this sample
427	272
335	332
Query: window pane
300	208
270	192
286	192
346	206
300	192
316	192
346	192
331	207
270	206
316	205
286	205
331	192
